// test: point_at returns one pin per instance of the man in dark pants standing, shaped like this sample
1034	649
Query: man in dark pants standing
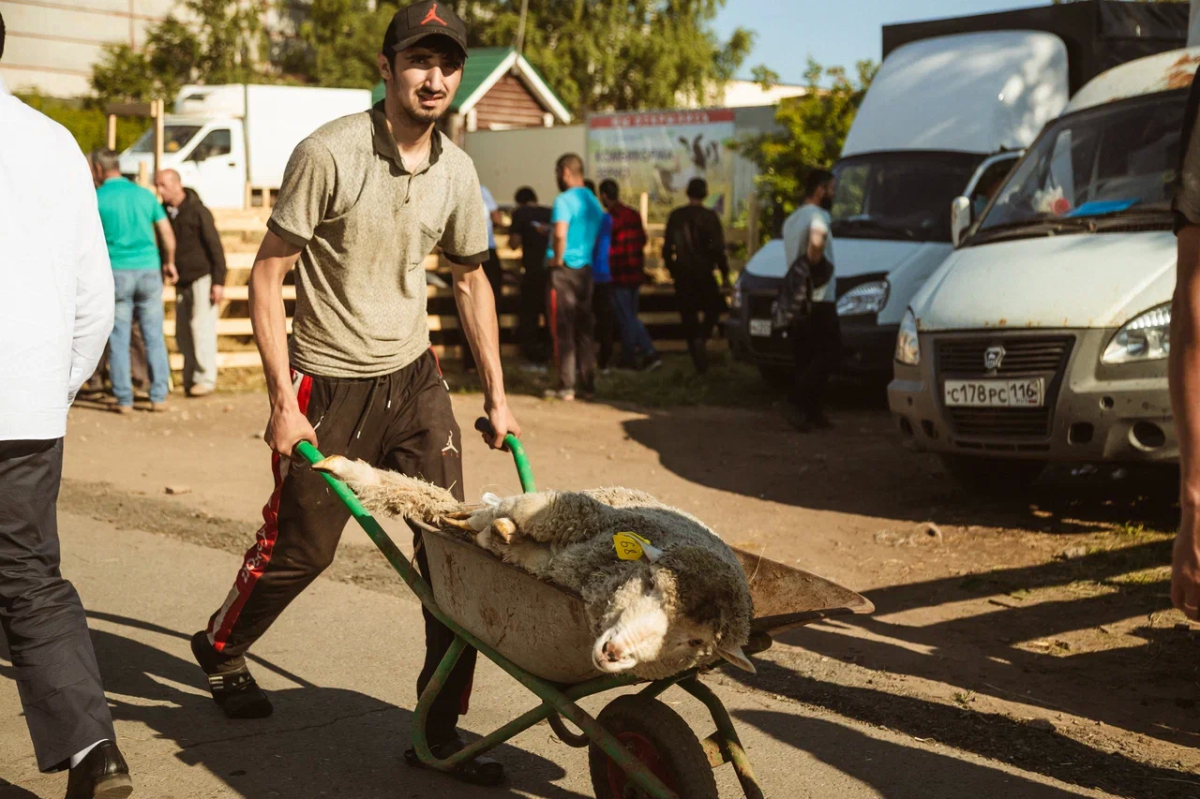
364	200
816	336
56	312
530	233
575	222
693	247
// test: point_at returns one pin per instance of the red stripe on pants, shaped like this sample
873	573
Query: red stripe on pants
554	323
259	555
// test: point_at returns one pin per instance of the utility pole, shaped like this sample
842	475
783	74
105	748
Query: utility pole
521	27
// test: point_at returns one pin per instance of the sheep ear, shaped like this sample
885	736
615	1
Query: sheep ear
738	658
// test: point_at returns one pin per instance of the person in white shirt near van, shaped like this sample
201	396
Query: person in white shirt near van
816	337
56	312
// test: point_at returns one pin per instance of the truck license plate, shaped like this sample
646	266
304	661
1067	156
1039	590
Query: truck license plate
995	393
760	327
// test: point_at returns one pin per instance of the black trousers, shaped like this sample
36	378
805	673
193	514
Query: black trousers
403	422
534	337
606	322
700	306
494	271
572	325
42	617
817	350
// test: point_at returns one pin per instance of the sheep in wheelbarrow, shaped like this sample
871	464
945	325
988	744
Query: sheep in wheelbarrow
680	599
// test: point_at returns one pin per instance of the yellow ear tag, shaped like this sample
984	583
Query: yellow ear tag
629	546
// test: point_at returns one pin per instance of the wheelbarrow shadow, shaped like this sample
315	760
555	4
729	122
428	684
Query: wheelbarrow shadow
321	741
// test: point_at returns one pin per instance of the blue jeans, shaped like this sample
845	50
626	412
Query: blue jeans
634	336
139	295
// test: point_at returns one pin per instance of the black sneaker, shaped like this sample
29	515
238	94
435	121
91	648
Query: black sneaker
103	774
230	683
483	770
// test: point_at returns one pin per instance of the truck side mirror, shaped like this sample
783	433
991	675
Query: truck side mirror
960	219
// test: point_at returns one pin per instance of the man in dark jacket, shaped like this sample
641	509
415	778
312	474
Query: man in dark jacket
200	260
693	247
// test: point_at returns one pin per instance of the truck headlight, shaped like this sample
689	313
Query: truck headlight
865	298
908	351
1146	337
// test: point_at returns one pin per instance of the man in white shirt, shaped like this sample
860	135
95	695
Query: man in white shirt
816	337
56	311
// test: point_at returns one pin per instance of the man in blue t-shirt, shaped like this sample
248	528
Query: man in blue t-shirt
575	222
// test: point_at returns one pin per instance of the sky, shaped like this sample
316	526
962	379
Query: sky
837	32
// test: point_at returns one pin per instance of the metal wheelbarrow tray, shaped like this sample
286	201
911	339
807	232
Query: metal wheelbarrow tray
539	634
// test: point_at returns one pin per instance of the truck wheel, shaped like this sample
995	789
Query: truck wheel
777	376
992	476
661	740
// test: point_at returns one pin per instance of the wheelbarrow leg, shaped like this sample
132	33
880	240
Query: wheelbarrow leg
725	738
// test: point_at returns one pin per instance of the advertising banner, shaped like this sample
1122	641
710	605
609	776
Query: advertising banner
660	152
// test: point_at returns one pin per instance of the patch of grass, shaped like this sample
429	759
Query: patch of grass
728	383
1130	530
1151	576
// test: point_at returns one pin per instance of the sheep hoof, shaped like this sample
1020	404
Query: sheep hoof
337	465
505	528
450	520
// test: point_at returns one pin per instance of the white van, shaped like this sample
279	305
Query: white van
1044	337
943	117
232	142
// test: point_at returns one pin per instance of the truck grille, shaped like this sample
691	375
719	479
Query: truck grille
965	358
1033	356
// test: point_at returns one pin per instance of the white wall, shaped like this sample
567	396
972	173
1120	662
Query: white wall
509	159
1194	25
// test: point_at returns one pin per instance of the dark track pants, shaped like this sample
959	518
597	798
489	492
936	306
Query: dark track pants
572	325
700	306
403	422
606	322
42	617
817	343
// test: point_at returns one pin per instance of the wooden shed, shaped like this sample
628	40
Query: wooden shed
500	90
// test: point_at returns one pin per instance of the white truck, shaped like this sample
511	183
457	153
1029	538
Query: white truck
1044	336
949	112
231	143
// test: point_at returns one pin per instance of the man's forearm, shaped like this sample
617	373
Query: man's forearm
477	310
268	317
1184	365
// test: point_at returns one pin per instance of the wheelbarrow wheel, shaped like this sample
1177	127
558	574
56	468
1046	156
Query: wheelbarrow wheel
659	738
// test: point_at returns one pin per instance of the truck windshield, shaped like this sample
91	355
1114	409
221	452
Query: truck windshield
904	196
1115	159
174	137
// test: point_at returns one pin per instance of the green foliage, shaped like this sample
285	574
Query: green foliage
219	47
811	131
617	54
343	38
86	124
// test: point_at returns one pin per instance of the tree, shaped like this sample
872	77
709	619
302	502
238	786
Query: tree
617	54
219	47
343	37
811	130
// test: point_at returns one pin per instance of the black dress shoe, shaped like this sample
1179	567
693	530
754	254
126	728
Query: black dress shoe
103	774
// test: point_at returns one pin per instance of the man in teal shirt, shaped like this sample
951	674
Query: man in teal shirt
575	221
131	216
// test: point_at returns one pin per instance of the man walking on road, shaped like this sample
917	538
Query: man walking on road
131	216
627	265
816	337
693	248
575	222
56	310
200	262
1184	363
364	200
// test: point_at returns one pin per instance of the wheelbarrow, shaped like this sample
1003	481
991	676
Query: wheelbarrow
539	634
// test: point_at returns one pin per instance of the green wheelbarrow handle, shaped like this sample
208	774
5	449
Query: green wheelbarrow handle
511	444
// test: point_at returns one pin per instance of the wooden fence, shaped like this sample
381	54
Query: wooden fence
241	230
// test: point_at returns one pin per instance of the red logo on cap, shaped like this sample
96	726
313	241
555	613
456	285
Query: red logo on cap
433	17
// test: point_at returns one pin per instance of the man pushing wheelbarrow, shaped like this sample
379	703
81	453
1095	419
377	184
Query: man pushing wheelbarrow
364	200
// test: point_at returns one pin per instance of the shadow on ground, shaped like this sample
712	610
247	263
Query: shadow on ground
320	741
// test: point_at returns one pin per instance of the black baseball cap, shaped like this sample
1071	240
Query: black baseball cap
421	20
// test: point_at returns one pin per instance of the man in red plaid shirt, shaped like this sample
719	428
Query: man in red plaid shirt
626	262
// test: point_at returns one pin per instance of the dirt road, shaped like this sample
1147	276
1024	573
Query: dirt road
1033	632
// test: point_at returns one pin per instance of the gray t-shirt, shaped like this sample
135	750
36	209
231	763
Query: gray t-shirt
365	225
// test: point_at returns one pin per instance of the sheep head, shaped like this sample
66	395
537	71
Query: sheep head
662	620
